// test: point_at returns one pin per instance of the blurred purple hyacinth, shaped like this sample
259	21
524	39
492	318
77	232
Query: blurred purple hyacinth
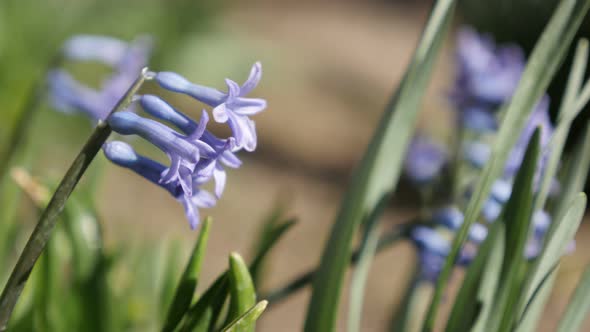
231	107
487	74
425	160
126	59
196	156
433	249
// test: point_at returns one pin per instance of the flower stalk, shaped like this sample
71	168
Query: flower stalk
47	221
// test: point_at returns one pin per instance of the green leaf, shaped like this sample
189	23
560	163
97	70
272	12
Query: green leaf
555	246
468	304
516	216
542	64
202	316
366	253
271	232
241	287
567	113
85	235
247	320
579	306
378	173
491	278
188	281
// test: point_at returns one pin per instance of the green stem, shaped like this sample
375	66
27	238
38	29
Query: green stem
40	236
400	232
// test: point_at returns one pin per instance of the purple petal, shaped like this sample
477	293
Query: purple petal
253	79
220	178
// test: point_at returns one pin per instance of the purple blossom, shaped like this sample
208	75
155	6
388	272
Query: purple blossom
126	59
424	161
433	249
487	74
123	155
231	107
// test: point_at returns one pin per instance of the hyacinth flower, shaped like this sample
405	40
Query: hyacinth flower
487	75
230	107
196	156
125	59
424	161
124	155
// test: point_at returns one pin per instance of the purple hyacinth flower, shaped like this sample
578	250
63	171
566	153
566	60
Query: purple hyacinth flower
449	216
231	107
424	160
126	59
206	168
487	74
184	152
433	249
102	49
123	155
476	153
479	119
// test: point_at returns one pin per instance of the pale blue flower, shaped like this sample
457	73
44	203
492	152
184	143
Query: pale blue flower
232	107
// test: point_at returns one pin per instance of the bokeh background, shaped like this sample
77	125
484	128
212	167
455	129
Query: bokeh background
329	69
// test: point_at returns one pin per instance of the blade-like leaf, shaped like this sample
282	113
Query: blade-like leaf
248	319
272	231
579	306
490	279
542	64
188	282
555	247
241	287
203	314
378	172
517	219
567	113
468	306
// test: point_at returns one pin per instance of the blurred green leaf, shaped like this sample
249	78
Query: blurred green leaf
578	307
490	279
540	277
188	282
366	253
202	316
247	320
241	287
546	57
273	230
567	113
516	216
378	173
469	305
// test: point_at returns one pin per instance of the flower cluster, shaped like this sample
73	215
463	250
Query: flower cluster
487	76
196	156
126	60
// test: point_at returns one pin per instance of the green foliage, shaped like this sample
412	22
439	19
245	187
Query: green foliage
377	175
188	282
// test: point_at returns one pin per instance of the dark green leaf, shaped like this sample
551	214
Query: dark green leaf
188	281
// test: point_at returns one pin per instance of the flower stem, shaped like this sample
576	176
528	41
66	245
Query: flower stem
400	232
48	219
